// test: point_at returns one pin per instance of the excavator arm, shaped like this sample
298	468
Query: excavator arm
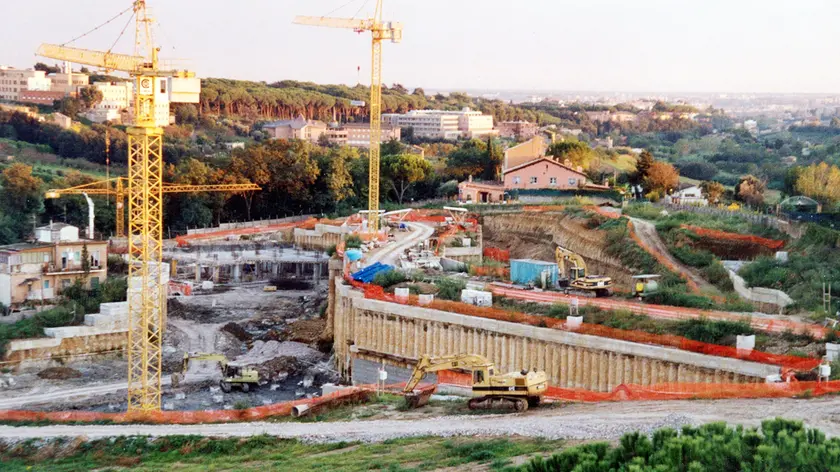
200	356
428	364
562	255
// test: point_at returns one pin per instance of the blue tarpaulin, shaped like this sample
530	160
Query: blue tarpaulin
367	274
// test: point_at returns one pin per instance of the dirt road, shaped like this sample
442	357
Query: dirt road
648	234
579	421
391	253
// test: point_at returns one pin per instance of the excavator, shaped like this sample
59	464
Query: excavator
576	281
516	389
233	375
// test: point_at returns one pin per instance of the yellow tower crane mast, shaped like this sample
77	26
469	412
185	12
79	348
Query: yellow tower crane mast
380	31
117	187
146	294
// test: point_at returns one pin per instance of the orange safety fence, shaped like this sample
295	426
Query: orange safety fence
773	244
344	396
491	271
789	362
672	391
497	254
661	258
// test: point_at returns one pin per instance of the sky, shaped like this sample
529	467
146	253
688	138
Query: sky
763	46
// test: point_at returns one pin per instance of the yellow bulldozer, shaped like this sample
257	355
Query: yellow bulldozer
576	281
490	390
233	375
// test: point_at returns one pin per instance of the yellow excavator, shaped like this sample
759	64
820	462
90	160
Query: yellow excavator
516	389
576	280
233	375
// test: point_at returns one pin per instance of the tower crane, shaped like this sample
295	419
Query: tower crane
146	294
118	185
380	30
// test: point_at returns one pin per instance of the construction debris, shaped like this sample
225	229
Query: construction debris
59	373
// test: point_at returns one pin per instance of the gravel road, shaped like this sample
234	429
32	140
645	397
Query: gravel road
391	253
579	421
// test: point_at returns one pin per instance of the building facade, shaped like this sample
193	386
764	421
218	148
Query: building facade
299	128
117	98
358	134
441	124
471	191
544	173
38	271
14	81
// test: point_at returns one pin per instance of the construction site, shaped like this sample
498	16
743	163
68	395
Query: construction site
567	321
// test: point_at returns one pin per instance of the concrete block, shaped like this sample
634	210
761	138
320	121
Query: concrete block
168	406
782	256
745	343
329	388
207	285
401	294
466	242
476	297
574	322
426	299
832	351
180	396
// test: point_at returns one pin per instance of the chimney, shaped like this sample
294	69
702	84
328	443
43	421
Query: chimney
469	179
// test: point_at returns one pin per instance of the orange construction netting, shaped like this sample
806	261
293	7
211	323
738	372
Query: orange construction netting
802	364
673	391
773	244
496	254
542	208
490	271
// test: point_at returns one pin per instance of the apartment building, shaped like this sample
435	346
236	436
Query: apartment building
37	271
358	134
13	81
442	124
67	82
117	97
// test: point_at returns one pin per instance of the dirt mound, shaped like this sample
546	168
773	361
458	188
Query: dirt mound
197	313
272	357
59	373
306	331
731	246
237	332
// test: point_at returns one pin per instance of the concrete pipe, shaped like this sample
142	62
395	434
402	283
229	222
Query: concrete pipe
300	410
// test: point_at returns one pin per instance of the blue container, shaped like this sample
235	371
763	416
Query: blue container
526	271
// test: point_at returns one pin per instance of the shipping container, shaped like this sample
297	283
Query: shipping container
526	271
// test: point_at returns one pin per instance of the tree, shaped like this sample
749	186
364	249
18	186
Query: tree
713	191
661	178
699	170
643	164
576	152
471	158
403	170
392	147
820	182
69	106
750	190
186	113
46	68
89	96
85	260
21	197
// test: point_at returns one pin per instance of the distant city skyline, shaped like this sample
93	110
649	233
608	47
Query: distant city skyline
540	46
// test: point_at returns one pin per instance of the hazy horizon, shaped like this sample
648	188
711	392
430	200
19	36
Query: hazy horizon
540	46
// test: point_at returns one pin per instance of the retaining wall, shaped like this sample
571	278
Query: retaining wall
398	334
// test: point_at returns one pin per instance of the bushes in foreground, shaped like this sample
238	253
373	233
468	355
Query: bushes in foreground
780	446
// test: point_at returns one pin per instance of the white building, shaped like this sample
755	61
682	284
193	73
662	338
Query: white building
117	98
441	124
13	81
687	195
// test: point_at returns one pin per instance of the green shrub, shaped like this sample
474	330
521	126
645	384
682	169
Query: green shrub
450	289
352	241
779	446
388	278
713	332
331	250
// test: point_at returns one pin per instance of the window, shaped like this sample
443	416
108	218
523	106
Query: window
162	85
46	285
94	283
552	181
533	180
478	377
572	181
517	180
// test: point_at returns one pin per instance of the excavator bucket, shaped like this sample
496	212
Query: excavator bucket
418	398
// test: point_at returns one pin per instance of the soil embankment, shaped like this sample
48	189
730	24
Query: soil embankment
536	235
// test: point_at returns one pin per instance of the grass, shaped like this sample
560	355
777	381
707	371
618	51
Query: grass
193	453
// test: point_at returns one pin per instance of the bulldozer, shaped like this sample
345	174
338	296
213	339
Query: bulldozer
576	281
233	375
516	389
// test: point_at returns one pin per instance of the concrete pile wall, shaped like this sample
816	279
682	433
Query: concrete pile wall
768	300
380	331
249	224
106	331
322	237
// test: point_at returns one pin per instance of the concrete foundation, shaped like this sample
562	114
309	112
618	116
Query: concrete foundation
397	334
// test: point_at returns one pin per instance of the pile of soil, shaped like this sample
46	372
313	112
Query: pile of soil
306	331
196	313
237	332
59	373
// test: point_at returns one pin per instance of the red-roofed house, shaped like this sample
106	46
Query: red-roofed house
544	173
